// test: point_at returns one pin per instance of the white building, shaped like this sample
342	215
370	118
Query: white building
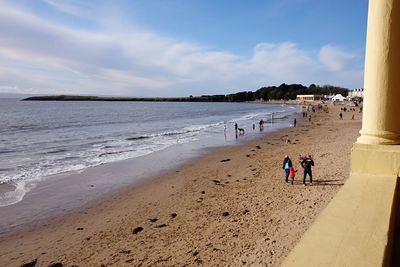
305	98
358	92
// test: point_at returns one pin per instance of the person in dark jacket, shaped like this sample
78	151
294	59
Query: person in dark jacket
307	164
287	163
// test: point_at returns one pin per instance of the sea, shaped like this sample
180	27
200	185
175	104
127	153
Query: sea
40	139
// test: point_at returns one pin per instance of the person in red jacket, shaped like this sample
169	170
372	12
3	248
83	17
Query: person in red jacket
292	173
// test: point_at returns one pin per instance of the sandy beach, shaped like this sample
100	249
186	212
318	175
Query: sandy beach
228	208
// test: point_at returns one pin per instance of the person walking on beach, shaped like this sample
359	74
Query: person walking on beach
294	122
307	163
236	127
341	115
292	174
287	163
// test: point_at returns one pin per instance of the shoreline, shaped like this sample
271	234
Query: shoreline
66	191
248	187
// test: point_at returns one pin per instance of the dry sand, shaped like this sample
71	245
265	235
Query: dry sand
229	208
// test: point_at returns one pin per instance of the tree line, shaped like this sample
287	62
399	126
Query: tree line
281	92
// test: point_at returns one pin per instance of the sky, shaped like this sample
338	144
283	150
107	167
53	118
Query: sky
149	48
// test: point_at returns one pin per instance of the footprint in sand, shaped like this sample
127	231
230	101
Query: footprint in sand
30	264
153	220
225	213
161	225
137	230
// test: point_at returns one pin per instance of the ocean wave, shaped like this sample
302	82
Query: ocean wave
55	151
137	138
7	151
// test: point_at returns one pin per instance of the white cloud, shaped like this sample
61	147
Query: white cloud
334	58
53	58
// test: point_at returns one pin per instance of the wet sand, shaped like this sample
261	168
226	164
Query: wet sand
228	208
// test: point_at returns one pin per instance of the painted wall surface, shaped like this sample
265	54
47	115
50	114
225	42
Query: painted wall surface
381	123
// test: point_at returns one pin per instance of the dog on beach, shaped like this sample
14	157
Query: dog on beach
241	130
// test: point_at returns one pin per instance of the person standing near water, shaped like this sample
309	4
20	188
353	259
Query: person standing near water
294	122
236	127
287	163
307	164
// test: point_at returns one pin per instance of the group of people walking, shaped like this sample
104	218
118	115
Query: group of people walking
306	163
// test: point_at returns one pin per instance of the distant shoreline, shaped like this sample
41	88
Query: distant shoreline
151	99
129	99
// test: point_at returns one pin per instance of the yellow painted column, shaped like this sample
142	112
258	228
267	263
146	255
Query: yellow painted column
381	111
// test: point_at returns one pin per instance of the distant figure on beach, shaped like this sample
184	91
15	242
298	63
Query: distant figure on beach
236	127
287	163
309	118
292	174
294	122
307	164
225	131
241	131
261	123
352	117
341	115
254	126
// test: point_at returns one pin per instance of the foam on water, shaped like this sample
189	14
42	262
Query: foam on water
17	194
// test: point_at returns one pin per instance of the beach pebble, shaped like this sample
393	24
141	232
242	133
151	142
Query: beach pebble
225	160
137	230
153	220
173	215
203	192
161	225
30	264
258	147
79	228
225	213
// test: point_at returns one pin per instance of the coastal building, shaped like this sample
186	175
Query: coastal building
358	92
361	225
306	98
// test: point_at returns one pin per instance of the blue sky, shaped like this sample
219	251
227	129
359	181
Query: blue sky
178	47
